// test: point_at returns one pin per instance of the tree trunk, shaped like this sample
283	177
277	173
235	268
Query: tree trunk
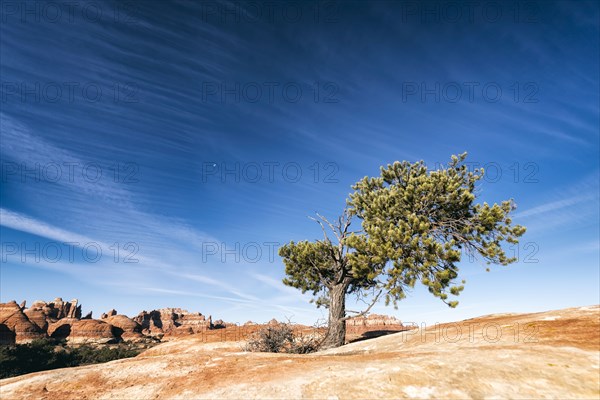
336	333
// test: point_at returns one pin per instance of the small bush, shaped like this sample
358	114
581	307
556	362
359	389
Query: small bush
281	338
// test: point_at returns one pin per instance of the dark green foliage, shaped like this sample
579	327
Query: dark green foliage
45	354
416	223
39	355
309	268
87	354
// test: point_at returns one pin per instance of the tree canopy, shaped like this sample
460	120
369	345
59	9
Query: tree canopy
415	226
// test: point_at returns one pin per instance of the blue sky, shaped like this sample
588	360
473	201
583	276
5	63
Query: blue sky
196	137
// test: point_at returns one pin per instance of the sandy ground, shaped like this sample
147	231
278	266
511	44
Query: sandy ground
553	354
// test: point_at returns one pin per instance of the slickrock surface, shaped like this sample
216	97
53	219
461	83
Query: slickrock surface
552	354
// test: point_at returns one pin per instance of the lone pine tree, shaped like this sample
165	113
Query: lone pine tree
416	224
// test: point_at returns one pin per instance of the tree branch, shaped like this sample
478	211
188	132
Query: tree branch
322	228
331	226
319	274
360	314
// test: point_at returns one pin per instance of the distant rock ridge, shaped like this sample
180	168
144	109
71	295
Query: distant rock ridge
172	321
63	320
374	320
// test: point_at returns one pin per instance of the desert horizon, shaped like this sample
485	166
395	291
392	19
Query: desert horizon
546	354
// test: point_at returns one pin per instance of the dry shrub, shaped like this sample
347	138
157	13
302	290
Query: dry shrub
281	338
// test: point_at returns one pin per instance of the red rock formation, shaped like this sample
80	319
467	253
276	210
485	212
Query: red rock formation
150	322
374	320
61	329
372	325
44	313
167	320
77	331
15	321
38	317
111	313
219	324
180	331
125	328
61	309
195	321
60	319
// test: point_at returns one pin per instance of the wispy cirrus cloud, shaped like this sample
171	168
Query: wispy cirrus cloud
111	274
556	205
166	245
576	204
26	224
